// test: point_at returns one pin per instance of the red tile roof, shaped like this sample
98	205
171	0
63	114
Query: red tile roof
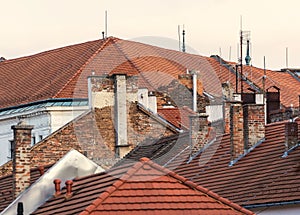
63	72
6	195
144	188
179	117
289	86
263	176
6	186
43	75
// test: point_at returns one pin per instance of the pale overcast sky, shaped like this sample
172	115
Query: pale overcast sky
32	26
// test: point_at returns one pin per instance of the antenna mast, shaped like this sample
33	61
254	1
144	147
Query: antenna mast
183	40
244	40
106	24
264	79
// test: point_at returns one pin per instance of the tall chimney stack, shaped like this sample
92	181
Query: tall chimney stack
21	157
120	113
254	124
236	130
247	127
199	132
117	91
126	91
291	135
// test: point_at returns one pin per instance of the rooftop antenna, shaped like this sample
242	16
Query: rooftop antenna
183	40
244	36
241	53
248	58
179	37
106	24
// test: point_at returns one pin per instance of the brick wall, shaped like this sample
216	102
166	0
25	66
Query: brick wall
291	134
199	132
142	126
94	135
236	130
6	168
227	117
179	95
254	124
21	158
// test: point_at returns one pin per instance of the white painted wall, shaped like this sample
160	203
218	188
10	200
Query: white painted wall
143	97
214	112
45	121
72	165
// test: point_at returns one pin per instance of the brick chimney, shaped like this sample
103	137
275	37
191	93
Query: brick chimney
121	115
21	157
236	130
254	124
227	106
118	91
247	126
291	135
198	132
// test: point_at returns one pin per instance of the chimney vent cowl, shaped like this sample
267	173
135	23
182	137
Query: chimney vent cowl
57	183
69	184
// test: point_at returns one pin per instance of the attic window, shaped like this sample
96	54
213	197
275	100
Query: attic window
10	149
33	140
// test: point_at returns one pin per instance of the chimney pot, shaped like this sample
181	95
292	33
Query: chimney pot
57	183
69	184
41	170
20	209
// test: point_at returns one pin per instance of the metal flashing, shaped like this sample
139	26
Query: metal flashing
247	151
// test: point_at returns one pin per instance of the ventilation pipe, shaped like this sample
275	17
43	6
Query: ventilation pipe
20	209
57	187
69	184
194	73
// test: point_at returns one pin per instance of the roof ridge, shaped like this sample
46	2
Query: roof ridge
193	185
18	59
131	62
86	63
180	179
130	172
114	186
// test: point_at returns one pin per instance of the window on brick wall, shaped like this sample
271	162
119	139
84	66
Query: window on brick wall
10	149
33	140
